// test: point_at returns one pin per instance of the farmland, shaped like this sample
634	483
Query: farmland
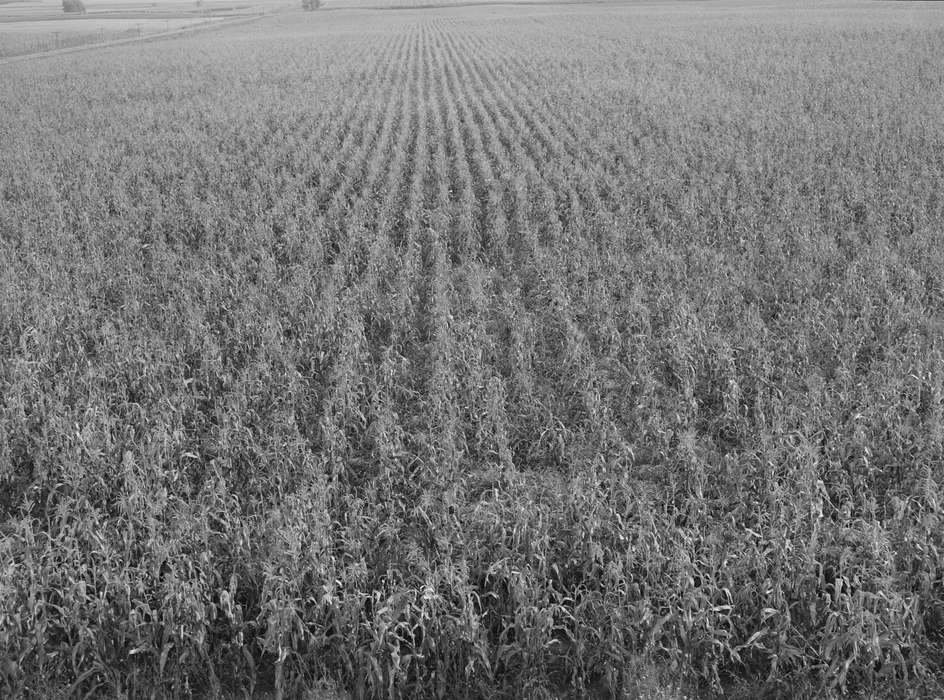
35	26
499	351
29	37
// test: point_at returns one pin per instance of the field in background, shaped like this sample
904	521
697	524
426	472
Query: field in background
34	36
35	26
18	9
478	352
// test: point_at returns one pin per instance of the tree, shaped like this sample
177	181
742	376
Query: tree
73	6
310	5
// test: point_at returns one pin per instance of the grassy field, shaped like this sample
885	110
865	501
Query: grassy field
38	26
29	37
551	351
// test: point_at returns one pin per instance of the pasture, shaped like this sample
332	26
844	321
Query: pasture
590	350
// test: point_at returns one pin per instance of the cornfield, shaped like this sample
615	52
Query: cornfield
548	351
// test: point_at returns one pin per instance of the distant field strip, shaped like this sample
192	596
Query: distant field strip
25	40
